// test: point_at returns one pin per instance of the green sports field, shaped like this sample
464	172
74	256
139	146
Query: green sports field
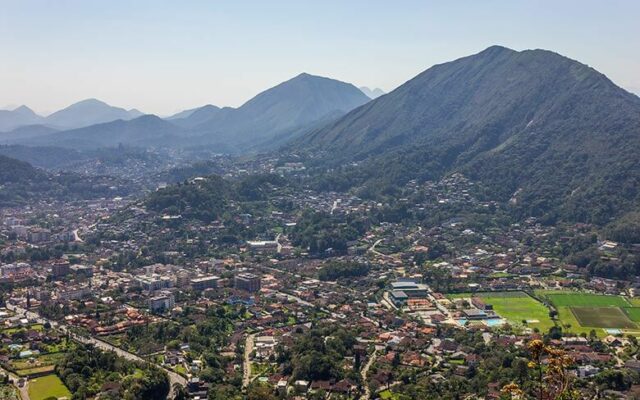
633	313
575	299
602	317
519	306
47	386
515	307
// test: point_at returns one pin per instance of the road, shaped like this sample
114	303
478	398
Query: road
246	365
335	205
364	372
173	377
373	248
77	237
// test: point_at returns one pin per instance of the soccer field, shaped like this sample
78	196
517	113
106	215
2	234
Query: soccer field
633	313
519	306
602	317
574	299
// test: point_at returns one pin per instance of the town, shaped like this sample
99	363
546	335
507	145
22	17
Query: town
287	291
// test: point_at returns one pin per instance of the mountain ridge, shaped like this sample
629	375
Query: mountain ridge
498	116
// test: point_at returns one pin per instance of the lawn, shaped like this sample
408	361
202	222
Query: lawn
633	313
47	386
518	306
602	317
575	299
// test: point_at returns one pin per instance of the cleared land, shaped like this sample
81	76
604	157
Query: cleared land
602	317
47	386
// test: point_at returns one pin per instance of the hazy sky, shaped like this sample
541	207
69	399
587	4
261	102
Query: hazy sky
164	56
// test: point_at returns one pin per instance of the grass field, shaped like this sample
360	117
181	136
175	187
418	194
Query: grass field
575	299
602	317
47	386
514	307
633	313
518	306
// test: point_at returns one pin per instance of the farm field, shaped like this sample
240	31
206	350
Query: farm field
47	386
583	312
602	317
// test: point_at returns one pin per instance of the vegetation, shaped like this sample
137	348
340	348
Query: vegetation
86	369
335	270
478	115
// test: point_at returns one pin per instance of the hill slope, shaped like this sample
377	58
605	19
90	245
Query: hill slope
556	131
143	131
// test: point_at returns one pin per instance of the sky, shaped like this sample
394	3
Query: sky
163	56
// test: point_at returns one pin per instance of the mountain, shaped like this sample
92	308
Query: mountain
282	110
182	114
88	112
13	119
372	93
553	135
148	130
196	116
25	132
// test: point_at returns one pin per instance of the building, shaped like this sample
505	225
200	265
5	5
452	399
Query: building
404	289
204	282
39	235
262	246
154	282
163	302
60	268
74	293
183	279
247	281
82	270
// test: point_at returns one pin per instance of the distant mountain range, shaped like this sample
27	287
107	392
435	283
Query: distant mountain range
553	135
372	93
80	114
270	118
21	116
